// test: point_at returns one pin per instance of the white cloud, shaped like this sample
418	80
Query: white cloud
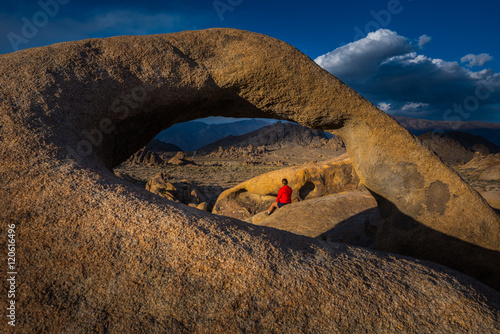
384	106
476	60
414	106
387	69
422	40
365	55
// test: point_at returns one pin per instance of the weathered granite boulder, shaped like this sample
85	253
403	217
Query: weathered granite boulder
144	156
485	170
95	253
196	195
348	217
491	173
309	181
202	206
481	162
160	185
492	197
184	192
181	159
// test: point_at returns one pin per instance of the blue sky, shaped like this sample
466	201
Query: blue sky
418	58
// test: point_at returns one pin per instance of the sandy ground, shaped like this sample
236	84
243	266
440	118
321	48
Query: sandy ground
229	172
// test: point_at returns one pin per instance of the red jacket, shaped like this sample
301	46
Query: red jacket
284	195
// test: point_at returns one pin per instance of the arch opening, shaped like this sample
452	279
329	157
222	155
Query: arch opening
211	156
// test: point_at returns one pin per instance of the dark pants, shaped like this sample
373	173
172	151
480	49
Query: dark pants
282	204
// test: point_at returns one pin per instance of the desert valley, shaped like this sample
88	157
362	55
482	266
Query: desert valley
229	161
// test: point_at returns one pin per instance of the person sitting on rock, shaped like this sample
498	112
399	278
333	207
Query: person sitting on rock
284	197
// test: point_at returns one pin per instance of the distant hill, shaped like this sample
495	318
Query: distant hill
458	147
472	142
158	146
490	131
191	136
278	135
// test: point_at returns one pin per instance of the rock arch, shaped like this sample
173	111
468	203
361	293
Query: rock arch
97	254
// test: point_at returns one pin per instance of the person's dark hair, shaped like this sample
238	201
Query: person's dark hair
284	181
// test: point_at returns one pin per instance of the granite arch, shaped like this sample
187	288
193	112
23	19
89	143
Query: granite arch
99	253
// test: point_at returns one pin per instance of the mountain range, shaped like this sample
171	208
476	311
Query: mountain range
191	136
278	135
490	131
194	135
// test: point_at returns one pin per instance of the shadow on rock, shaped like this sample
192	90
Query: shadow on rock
400	233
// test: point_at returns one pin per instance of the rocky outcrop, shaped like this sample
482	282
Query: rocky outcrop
492	173
449	150
184	192
160	185
348	217
232	152
457	147
95	253
483	172
181	159
481	162
492	197
277	136
284	136
486	167
144	156
335	144
196	195
309	181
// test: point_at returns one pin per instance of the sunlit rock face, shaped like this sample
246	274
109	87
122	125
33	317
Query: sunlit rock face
96	253
307	181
